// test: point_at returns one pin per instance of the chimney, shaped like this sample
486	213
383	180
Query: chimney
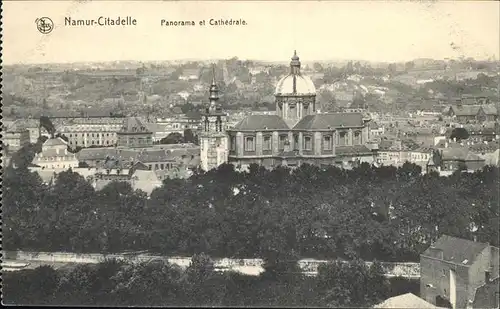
487	276
436	253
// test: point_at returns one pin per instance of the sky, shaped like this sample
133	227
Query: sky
381	31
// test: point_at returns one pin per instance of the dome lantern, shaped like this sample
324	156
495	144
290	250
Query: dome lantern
295	94
295	64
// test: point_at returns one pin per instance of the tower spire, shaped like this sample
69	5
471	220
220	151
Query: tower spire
213	75
214	91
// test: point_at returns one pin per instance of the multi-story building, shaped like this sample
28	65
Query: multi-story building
32	125
86	136
155	158
483	133
390	152
134	133
93	131
179	123
420	156
454	268
454	158
55	155
14	139
472	113
376	130
298	133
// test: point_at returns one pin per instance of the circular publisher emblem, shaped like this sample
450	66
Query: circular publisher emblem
45	25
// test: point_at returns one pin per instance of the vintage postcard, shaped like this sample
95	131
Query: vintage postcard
250	153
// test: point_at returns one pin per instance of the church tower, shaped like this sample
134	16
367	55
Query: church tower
295	94
213	137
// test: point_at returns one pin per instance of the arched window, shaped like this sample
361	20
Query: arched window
207	124
327	142
233	143
357	138
249	143
218	124
343	138
282	140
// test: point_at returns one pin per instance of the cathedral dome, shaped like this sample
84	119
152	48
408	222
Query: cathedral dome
295	84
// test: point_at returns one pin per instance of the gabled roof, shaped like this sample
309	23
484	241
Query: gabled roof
329	121
55	142
407	300
465	110
459	153
134	125
490	109
456	250
261	122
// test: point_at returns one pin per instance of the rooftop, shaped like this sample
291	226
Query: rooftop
51	142
134	125
330	121
456	250
407	300
261	122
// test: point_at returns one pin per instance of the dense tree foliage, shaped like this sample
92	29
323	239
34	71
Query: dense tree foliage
178	138
459	134
386	213
172	138
157	283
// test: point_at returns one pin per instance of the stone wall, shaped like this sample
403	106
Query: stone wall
408	270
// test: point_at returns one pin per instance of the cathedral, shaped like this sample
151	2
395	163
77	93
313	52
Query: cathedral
298	133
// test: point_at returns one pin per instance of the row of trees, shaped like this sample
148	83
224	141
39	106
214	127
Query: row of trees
385	213
178	138
159	283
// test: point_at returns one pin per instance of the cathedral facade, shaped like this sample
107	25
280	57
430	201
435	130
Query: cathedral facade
298	133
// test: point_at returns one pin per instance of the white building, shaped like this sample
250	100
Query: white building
55	155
